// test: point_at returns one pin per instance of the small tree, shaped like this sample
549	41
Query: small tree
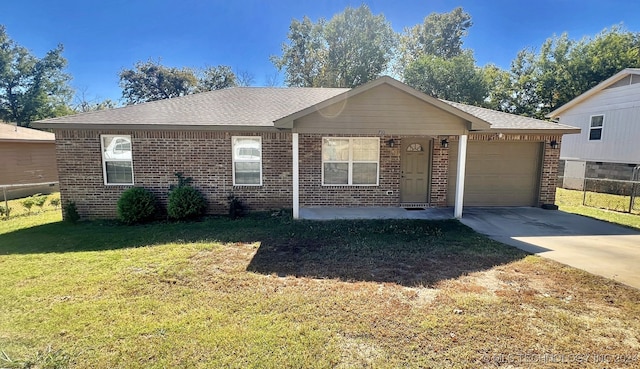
28	203
185	201
39	201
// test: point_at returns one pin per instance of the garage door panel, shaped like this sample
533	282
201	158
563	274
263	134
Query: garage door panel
498	173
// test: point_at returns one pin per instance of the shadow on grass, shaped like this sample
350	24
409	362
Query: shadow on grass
406	252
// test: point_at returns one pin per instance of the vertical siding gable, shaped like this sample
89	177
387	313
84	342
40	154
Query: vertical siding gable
382	108
621	109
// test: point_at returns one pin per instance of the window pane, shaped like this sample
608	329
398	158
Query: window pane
335	149
119	172
595	133
117	147
247	173
365	173
336	173
246	148
597	120
365	149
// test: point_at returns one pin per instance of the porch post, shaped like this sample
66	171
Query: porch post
462	162
296	177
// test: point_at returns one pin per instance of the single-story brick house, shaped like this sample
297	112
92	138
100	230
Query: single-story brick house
28	162
380	144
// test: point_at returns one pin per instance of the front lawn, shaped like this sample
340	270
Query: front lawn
268	292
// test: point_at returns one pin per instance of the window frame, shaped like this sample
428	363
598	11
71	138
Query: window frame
591	128
350	162
235	160
105	160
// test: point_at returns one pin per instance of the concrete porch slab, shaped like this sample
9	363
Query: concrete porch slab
331	213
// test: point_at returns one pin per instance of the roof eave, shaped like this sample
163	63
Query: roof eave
594	90
530	130
18	140
155	127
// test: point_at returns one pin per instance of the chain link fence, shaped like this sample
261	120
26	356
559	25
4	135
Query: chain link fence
609	194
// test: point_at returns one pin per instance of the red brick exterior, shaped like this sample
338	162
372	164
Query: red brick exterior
157	155
206	157
313	193
439	173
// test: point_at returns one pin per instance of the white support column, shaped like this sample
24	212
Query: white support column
462	163
296	177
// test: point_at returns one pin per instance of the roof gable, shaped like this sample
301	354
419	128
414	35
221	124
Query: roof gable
475	122
614	80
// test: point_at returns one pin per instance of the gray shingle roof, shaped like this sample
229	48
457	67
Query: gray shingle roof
505	121
241	106
260	107
9	132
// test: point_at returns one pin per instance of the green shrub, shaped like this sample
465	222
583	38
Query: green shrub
40	200
28	203
71	212
136	205
236	207
185	201
5	211
55	202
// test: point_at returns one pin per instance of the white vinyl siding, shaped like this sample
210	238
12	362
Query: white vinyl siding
595	128
619	143
350	161
247	160
117	161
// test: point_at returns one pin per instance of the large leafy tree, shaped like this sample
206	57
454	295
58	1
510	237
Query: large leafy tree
441	34
456	78
150	81
304	57
217	78
31	88
360	47
352	48
562	69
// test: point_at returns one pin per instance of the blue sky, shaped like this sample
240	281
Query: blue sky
102	38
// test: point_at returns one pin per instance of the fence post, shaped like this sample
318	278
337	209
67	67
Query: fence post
584	192
6	202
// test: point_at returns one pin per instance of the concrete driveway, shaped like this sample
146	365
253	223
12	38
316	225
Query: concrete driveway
598	247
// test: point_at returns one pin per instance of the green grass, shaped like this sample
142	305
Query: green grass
268	292
571	202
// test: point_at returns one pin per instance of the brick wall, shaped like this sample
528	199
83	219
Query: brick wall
313	193
206	157
439	173
157	155
549	176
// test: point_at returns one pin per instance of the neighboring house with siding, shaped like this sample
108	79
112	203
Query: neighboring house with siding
608	146
27	161
380	144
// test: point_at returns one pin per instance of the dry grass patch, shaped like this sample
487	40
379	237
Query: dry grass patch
266	292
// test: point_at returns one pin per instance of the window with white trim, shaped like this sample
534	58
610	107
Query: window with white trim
247	160
117	161
350	161
595	128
